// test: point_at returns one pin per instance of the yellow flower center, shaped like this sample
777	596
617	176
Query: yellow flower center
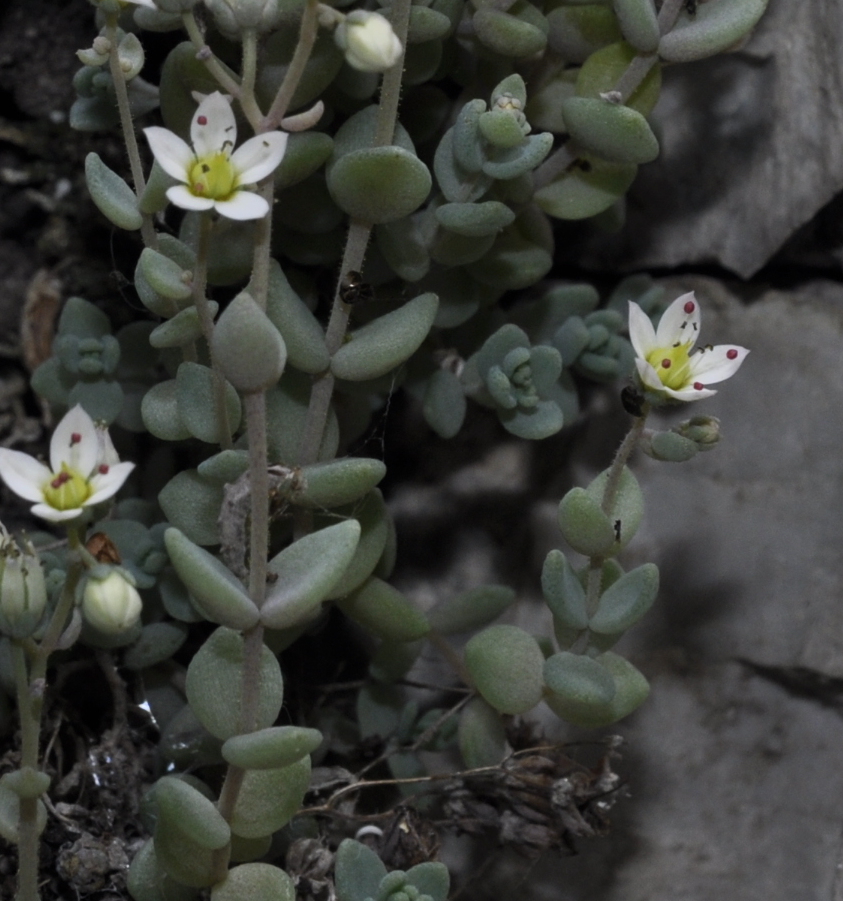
672	365
213	176
67	489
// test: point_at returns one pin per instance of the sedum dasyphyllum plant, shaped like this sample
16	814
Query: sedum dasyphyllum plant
401	171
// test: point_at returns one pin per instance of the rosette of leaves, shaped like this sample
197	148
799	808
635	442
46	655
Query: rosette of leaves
520	382
361	876
83	368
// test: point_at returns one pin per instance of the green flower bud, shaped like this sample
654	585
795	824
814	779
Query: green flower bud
704	431
23	592
111	604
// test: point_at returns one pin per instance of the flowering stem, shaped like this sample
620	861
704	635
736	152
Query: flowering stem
308	31
355	246
323	388
150	239
30	686
203	52
206	321
30	723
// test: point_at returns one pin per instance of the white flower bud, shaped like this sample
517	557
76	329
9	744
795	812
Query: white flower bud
368	41
23	592
112	604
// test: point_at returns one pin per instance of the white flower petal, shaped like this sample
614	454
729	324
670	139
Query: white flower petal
680	322
174	156
24	474
648	375
181	196
689	394
148	3
242	205
53	515
259	156
107	484
75	442
714	365
642	335
213	126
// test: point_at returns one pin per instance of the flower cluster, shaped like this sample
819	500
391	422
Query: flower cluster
84	470
669	367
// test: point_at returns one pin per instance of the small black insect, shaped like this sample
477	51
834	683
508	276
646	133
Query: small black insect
354	290
617	530
633	401
691	7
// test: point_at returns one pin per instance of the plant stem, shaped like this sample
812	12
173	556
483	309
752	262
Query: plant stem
30	687
355	247
255	405
121	93
308	32
610	494
206	321
203	52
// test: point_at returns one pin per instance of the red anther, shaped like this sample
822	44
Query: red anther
689	307
731	354
665	363
198	188
202	120
699	386
60	479
75	438
102	469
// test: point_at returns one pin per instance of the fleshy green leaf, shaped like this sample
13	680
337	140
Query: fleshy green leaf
217	592
475	219
381	345
444	404
255	882
384	611
505	663
563	591
639	23
585	526
306	572
470	609
612	131
112	196
712	29
269	799
628	508
197	408
481	736
358	871
271	748
626	601
214	685
337	482
587	188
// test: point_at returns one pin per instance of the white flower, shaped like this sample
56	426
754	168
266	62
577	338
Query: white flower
667	363
148	3
111	604
212	175
84	470
368	41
